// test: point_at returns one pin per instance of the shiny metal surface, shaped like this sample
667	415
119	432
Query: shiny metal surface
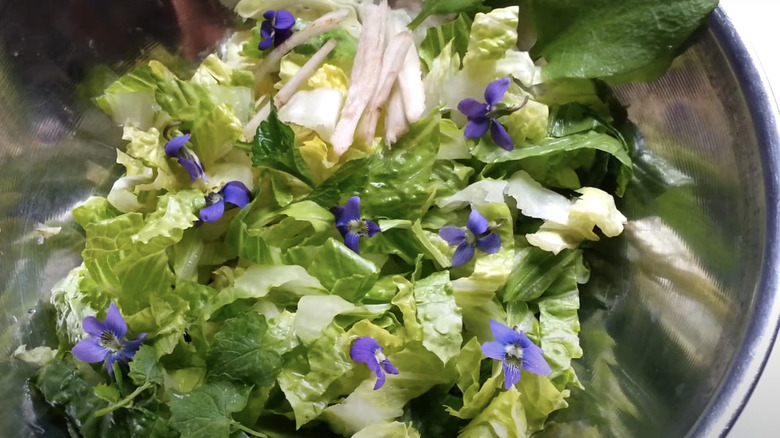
680	312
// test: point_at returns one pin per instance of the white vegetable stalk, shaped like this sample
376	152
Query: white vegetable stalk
303	75
392	62
395	118
317	27
365	75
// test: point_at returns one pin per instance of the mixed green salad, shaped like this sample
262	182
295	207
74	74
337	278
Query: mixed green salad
356	221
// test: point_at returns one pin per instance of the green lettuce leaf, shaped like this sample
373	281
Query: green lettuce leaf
388	430
439	316
437	38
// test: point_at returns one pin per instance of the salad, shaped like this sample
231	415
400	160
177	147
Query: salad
354	220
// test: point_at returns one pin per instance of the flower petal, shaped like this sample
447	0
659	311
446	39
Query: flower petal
93	326
236	193
380	379
89	350
453	235
265	44
494	350
500	136
338	212
476	128
511	375
351	239
363	349
129	348
503	333
472	108
489	244
213	212
533	357
175	144
266	30
110	362
462	255
389	367
477	223
373	228
281	35
194	168
284	20
496	90
269	14
115	322
352	209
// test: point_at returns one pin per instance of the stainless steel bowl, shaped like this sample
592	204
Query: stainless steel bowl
681	311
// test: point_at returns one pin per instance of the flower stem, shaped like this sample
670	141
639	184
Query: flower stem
124	402
248	430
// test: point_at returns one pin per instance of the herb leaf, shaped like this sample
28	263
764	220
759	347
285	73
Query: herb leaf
274	147
144	368
205	412
438	7
237	352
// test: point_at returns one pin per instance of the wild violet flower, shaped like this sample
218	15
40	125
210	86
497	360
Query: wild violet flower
484	116
107	340
513	348
276	28
234	192
176	148
351	226
368	351
477	233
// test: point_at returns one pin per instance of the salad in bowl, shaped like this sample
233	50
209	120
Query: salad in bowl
354	220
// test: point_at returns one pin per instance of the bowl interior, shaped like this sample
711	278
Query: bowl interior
679	312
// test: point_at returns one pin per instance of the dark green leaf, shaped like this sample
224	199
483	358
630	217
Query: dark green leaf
206	411
237	351
144	367
274	147
603	38
346	48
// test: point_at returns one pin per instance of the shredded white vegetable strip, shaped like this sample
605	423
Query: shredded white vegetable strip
365	75
395	119
304	73
411	84
317	27
392	62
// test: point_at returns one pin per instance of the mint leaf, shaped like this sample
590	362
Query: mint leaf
144	368
238	353
206	411
274	147
603	38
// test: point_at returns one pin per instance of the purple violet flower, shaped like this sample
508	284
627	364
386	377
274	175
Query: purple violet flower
175	148
477	233
513	348
484	116
351	226
368	351
276	28
107	340
234	192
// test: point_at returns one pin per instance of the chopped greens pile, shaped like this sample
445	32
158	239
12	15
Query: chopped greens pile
356	221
